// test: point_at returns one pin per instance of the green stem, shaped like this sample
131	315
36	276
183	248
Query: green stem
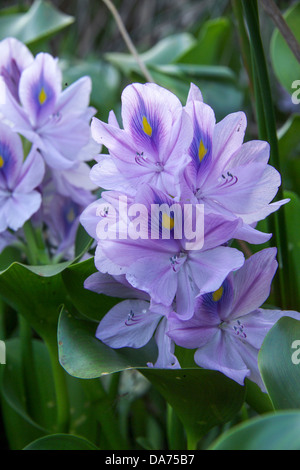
114	385
61	389
192	442
175	431
266	113
31	243
36	250
29	370
102	406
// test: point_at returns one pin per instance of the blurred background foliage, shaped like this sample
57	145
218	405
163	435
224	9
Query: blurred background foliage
180	41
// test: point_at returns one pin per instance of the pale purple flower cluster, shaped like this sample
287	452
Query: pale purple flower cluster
206	299
53	182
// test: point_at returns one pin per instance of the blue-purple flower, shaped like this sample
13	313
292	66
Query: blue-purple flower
152	147
228	176
56	121
228	327
19	198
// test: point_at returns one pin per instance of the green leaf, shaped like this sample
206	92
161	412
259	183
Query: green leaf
164	52
83	356
280	374
61	442
36	293
93	306
212	40
285	64
39	22
200	398
280	431
206	72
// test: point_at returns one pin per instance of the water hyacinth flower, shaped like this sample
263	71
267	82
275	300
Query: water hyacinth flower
228	176
228	327
133	322
19	199
57	121
165	268
151	148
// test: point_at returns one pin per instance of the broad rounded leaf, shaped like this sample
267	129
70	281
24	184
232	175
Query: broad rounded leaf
201	398
83	356
280	431
279	364
39	22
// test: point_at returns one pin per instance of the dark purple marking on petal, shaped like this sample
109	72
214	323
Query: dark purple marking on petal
201	138
11	75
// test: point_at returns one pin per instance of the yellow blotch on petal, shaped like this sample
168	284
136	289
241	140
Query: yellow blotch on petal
202	151
71	216
146	127
42	96
217	295
1	161
167	222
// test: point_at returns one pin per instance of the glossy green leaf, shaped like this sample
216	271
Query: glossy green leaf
164	52
82	355
90	304
213	38
61	442
39	22
200	398
285	64
36	293
278	365
280	431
